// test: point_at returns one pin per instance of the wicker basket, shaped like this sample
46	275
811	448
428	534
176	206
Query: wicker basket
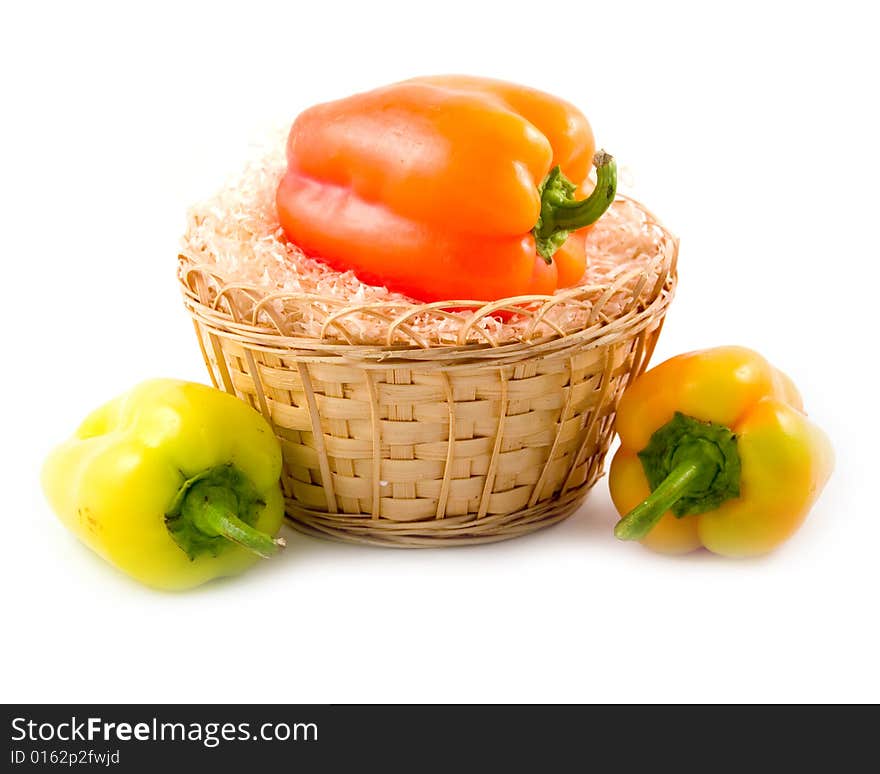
404	444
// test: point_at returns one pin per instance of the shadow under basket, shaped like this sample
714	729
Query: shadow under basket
401	442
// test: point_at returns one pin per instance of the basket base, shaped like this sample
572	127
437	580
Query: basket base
452	531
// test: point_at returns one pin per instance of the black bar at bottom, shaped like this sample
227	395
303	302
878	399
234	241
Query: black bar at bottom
256	738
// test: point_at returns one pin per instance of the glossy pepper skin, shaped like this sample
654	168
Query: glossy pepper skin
736	465
445	188
174	483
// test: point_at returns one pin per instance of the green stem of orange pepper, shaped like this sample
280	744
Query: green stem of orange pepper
641	519
561	213
691	466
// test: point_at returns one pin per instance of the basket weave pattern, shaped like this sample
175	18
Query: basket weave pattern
404	444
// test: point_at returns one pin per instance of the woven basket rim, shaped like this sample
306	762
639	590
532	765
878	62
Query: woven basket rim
647	287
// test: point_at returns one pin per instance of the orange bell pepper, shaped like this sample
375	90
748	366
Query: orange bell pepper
727	460
445	188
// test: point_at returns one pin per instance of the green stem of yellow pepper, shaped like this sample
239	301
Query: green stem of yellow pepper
216	506
212	509
691	466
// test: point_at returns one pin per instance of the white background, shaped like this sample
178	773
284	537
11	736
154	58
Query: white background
750	128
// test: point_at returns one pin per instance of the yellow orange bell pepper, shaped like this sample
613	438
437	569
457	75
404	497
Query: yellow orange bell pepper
716	452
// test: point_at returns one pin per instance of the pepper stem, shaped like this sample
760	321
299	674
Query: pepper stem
561	213
641	519
213	511
216	508
691	466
